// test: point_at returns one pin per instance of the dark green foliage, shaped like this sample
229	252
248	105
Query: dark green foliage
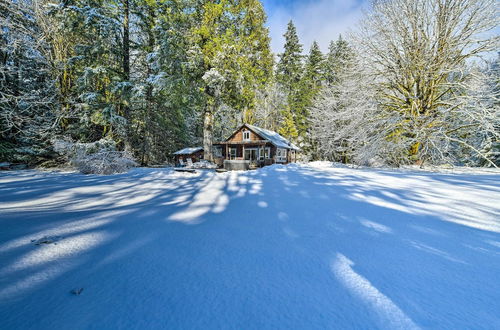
290	66
302	78
315	67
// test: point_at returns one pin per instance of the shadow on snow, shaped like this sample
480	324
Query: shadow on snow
282	247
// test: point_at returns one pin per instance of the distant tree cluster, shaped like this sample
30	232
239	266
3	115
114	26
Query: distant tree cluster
156	75
300	79
151	75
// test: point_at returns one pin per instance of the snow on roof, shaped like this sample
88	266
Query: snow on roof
273	137
188	151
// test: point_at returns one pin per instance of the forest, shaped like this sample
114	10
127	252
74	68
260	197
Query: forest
415	82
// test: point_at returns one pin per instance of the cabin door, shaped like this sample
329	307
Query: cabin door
251	154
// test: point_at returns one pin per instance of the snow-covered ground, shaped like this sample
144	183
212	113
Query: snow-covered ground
292	247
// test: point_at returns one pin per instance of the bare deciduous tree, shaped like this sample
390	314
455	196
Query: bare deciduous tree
419	50
416	59
270	105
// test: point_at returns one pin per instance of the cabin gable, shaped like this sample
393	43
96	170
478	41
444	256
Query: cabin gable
244	134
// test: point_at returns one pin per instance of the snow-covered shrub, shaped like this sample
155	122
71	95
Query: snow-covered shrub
100	157
204	164
213	78
104	162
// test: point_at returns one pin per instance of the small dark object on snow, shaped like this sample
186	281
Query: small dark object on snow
5	166
8	166
187	170
18	167
77	292
46	240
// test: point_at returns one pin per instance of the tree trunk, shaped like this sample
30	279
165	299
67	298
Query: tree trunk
208	126
126	69
213	103
148	135
126	40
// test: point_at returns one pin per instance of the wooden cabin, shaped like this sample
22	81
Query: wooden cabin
251	146
196	154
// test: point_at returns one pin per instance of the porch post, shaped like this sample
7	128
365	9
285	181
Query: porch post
243	152
227	152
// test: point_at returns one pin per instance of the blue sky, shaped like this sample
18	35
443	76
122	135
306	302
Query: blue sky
320	20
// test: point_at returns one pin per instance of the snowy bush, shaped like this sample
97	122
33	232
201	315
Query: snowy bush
204	164
213	78
104	162
100	157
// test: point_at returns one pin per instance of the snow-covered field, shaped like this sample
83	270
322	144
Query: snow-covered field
293	247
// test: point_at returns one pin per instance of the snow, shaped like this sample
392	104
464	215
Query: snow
290	247
273	137
188	151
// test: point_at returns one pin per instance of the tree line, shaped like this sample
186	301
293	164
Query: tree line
152	76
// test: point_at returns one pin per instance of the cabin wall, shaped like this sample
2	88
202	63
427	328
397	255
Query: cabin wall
291	155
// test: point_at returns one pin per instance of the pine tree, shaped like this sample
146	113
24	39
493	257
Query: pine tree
98	99
315	67
166	100
27	90
290	66
290	75
338	60
330	64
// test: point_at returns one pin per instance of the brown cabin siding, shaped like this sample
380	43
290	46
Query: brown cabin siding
238	136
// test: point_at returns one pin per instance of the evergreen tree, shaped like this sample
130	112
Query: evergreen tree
100	88
290	66
311	86
290	76
231	55
288	128
27	90
315	67
330	64
123	73
338	61
165	99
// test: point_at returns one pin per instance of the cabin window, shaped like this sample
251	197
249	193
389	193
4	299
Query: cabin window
232	153
251	154
246	135
281	155
264	154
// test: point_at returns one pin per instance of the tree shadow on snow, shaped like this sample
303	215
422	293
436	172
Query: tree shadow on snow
282	247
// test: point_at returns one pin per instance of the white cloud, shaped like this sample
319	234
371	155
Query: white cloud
320	20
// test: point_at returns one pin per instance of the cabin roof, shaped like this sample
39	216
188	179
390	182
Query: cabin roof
273	137
188	151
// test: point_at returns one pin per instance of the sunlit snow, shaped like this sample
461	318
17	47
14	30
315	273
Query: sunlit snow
292	247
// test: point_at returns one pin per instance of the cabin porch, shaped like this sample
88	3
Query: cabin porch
252	153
